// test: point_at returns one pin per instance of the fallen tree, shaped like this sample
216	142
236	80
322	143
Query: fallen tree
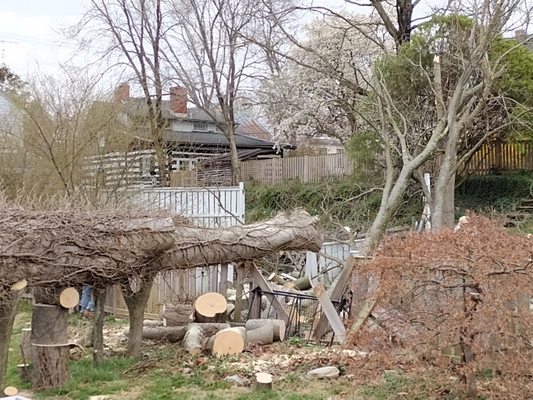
103	248
67	248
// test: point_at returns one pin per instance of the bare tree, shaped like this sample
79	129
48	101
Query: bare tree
133	31
210	55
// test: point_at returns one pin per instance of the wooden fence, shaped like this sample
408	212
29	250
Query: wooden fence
497	157
312	169
208	207
490	158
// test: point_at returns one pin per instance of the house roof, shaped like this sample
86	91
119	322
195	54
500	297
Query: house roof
243	154
214	139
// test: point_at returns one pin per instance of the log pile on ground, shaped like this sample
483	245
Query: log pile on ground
220	337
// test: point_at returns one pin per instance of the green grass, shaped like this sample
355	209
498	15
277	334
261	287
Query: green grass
88	380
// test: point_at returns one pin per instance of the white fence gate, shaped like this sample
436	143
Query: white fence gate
207	207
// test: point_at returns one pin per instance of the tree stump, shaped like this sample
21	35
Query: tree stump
50	349
263	381
50	365
210	307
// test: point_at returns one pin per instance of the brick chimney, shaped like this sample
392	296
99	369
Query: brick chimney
122	93
178	100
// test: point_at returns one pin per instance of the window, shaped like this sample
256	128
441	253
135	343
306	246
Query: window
200	126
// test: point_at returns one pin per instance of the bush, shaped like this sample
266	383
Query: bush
500	192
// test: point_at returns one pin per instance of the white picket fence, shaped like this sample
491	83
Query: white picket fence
207	207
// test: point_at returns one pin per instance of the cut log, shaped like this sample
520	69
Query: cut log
174	334
69	297
19	285
229	341
210	307
263	381
279	327
194	337
66	297
50	351
263	334
177	314
10	391
50	365
303	283
273	277
152	323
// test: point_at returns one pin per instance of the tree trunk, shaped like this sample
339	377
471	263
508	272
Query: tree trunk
236	174
177	314
74	255
98	326
50	349
136	303
8	310
443	213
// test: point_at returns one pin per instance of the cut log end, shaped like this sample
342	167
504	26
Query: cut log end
10	391
228	341
263	381
210	307
19	285
69	297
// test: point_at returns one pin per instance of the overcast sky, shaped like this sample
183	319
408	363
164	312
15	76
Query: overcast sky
30	33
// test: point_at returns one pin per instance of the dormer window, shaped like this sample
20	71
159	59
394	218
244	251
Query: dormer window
200	126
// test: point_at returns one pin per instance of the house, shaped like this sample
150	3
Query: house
191	136
11	139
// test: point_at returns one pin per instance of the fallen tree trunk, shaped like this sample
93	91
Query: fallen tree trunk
279	327
263	334
193	339
177	314
174	334
77	248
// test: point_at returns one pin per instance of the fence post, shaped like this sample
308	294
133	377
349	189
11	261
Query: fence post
306	169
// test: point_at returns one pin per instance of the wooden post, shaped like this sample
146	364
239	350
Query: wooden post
263	284
237	313
223	285
329	311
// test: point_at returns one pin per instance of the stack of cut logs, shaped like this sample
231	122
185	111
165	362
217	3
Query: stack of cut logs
205	326
288	282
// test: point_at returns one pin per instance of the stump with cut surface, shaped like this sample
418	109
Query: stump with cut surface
210	307
50	349
229	341
263	381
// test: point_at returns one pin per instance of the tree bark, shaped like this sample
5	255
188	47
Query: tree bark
174	334
8	310
136	303
177	314
98	326
92	248
50	349
443	213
